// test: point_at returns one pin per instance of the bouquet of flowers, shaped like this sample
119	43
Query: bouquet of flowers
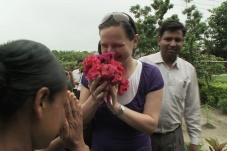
109	70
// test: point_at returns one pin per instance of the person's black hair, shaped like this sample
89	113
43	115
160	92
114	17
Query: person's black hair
25	67
132	23
171	25
99	48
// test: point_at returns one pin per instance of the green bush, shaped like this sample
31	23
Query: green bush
222	104
186	146
69	66
213	93
205	96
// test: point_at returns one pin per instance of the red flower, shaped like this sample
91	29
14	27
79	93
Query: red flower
89	62
109	70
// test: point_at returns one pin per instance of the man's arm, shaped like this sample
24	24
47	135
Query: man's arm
192	111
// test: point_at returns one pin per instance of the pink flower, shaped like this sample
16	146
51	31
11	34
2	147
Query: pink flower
109	70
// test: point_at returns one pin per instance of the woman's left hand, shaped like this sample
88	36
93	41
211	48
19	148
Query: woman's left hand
112	102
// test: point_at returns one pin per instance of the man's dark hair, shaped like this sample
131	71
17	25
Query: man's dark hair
171	25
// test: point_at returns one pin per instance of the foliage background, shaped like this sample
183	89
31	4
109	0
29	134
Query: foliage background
68	59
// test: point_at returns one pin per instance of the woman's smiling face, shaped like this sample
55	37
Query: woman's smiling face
114	39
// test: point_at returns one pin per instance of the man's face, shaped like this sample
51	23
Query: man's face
171	44
80	64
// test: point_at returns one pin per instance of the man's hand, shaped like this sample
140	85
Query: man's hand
193	147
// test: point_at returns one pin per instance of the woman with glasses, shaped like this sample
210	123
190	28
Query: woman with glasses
127	123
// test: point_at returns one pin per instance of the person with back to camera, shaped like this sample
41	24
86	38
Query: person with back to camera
125	125
34	103
181	92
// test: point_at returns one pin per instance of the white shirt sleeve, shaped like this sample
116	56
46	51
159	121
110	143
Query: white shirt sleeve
192	111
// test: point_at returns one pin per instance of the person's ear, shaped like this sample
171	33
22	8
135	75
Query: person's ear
136	40
159	40
41	100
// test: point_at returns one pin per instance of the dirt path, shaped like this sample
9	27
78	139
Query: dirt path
219	121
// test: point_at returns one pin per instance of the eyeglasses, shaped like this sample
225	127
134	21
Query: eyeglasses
118	17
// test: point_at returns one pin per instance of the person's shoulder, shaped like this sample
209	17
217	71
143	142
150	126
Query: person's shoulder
147	57
150	59
183	61
149	67
186	63
151	75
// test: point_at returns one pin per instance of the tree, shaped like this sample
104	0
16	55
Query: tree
187	1
218	30
196	46
68	59
148	20
195	34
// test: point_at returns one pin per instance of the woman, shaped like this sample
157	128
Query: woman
34	104
125	125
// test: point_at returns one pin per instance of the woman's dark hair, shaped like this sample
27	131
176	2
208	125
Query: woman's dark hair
130	28
99	48
25	67
171	25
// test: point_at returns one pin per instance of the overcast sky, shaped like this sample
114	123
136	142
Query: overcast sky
70	24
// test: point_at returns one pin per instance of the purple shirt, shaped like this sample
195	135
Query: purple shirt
111	133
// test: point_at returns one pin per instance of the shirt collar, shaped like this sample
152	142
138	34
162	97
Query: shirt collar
158	59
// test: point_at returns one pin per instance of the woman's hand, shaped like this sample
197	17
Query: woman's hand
72	131
97	91
112	102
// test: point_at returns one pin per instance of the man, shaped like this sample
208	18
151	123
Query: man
181	92
77	75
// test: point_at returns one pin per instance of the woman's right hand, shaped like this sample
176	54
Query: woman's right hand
91	97
97	91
